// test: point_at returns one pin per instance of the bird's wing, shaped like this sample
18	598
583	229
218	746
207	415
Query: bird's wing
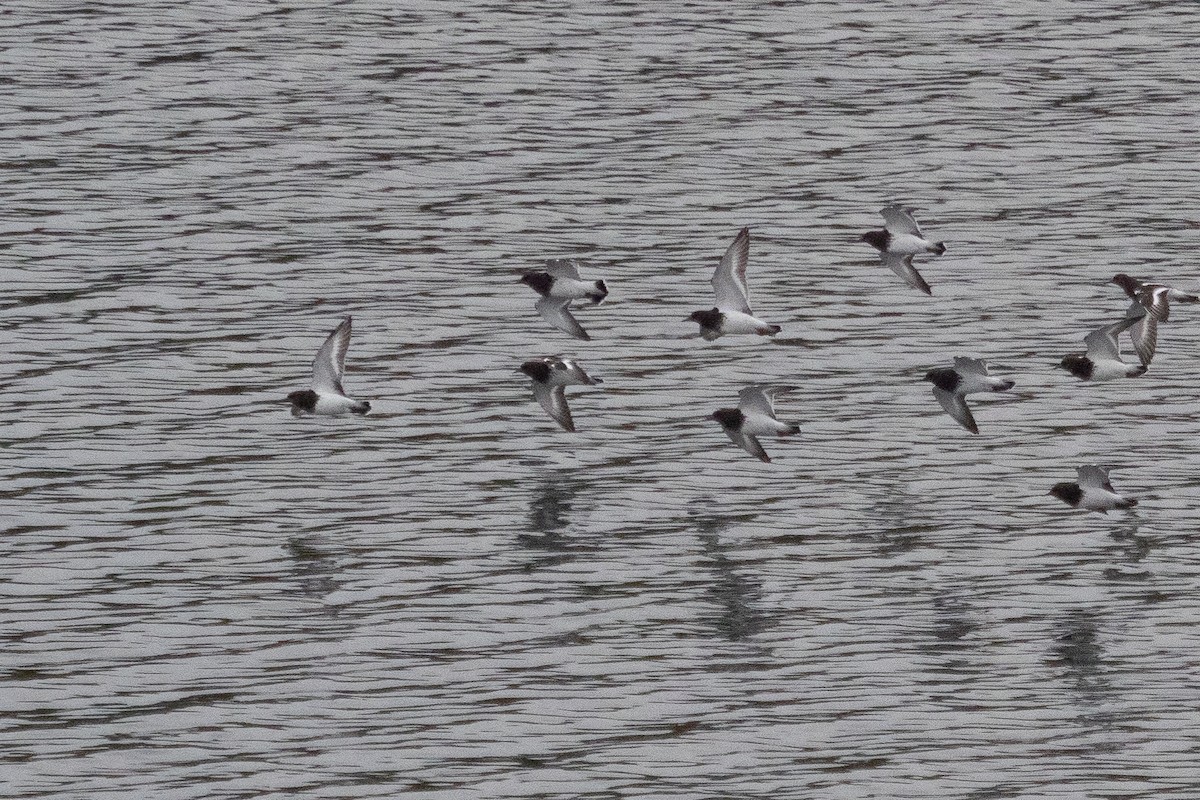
1156	299
749	443
902	266
1144	333
760	399
956	406
554	400
330	362
557	312
976	366
1093	475
579	374
563	268
729	281
897	220
1102	342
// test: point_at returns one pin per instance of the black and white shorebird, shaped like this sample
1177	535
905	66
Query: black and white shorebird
561	280
1150	306
1092	492
559	285
550	375
754	417
327	397
1102	361
732	312
951	385
899	241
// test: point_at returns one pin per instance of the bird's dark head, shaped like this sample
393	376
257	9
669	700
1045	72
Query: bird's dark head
730	418
1069	493
1125	282
877	239
538	281
707	319
305	400
537	369
1079	366
943	378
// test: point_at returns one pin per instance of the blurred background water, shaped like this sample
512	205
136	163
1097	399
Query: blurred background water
207	598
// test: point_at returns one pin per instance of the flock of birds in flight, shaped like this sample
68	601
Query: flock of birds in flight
560	285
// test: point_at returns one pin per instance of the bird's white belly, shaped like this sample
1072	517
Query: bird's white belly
1100	500
737	322
760	425
973	384
571	289
1107	369
333	405
906	244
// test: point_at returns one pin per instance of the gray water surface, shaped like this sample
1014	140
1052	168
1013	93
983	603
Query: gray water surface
452	598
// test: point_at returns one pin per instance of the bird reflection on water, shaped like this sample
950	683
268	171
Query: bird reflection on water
737	597
1080	656
897	521
552	502
314	567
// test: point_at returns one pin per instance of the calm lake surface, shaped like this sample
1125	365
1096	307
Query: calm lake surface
452	598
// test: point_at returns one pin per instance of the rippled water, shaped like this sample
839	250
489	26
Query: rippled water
451	597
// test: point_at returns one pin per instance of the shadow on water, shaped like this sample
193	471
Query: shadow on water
898	517
952	623
1134	547
736	597
313	567
1080	656
1130	549
951	640
552	502
1078	653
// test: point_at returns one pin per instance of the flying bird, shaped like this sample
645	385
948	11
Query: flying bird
1102	361
327	397
561	280
1093	491
732	312
951	385
1150	306
559	286
550	375
899	241
754	417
